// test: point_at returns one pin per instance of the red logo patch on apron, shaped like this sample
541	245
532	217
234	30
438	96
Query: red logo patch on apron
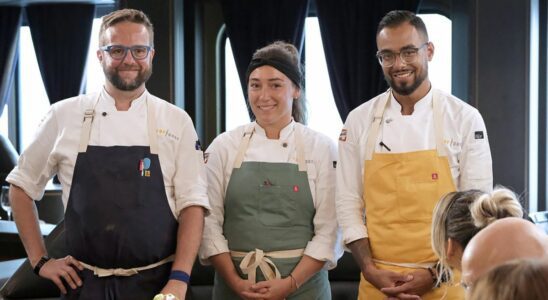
434	176
295	188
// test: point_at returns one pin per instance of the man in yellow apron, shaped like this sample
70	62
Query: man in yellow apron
398	154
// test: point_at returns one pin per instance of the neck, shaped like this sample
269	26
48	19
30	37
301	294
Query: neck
123	99
273	131
407	102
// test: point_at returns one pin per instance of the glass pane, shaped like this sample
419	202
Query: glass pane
4	121
236	110
94	73
439	32
33	101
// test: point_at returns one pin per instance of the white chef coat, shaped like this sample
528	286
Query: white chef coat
464	138
55	146
320	155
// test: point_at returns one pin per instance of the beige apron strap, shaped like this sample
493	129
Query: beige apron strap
374	130
248	133
100	272
406	265
259	259
89	114
438	123
300	149
151	124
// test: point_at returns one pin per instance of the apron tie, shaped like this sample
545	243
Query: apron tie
406	265
260	259
100	272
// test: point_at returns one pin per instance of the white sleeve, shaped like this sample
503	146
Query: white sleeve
349	195
325	244
213	240
190	176
476	171
37	164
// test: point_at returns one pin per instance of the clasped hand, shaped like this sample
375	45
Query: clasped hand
274	289
400	286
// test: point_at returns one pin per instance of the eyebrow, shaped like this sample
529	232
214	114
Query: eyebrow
402	48
269	79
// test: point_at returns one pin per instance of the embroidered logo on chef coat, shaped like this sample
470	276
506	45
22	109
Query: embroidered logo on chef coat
206	156
197	145
342	137
144	166
478	135
166	133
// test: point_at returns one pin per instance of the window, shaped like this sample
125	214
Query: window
322	111
4	121
33	101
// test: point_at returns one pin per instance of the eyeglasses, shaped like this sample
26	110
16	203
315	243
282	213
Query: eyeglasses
407	56
119	52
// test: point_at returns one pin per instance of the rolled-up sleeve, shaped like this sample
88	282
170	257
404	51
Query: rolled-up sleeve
37	164
213	240
349	199
189	180
325	244
476	168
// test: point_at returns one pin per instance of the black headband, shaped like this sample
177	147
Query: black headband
281	65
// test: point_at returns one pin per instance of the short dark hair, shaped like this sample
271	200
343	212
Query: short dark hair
397	17
126	15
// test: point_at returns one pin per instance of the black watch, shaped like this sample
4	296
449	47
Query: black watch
43	260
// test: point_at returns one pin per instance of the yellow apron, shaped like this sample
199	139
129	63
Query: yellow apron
400	192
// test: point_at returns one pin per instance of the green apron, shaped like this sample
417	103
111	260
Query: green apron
268	206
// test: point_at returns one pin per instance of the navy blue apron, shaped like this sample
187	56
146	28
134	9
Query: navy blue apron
118	216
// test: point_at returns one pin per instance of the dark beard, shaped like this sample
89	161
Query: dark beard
128	86
406	90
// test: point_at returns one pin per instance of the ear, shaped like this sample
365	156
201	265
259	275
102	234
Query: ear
296	92
152	51
454	249
100	55
430	51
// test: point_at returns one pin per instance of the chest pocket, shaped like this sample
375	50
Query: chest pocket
277	205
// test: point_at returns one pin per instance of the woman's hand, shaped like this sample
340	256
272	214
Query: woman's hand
274	289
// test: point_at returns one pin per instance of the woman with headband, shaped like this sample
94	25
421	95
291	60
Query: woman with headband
458	216
272	232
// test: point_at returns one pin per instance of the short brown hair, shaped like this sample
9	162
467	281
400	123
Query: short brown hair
126	15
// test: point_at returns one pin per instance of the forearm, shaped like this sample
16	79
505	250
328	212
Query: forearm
189	235
26	219
361	251
306	268
225	267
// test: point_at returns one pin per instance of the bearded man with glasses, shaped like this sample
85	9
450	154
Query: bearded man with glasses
399	153
133	179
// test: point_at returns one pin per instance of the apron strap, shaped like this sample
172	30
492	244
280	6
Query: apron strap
374	131
300	149
406	265
438	124
151	124
89	114
259	259
100	272
377	120
243	146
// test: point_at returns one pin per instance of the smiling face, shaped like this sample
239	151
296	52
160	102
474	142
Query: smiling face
405	79
127	74
271	95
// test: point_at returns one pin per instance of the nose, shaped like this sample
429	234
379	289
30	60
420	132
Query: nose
128	59
399	62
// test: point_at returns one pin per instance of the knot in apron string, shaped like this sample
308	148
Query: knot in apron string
260	259
100	272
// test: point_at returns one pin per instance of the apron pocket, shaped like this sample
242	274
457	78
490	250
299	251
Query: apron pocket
277	206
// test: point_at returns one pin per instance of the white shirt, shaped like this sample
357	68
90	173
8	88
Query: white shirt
320	155
464	138
55	146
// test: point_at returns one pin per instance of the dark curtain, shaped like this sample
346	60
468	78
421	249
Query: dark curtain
251	24
61	33
10	21
348	30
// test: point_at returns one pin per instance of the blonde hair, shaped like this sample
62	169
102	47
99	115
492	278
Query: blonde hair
518	279
460	215
126	15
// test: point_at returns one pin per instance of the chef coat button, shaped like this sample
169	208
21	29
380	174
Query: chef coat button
104	114
284	145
